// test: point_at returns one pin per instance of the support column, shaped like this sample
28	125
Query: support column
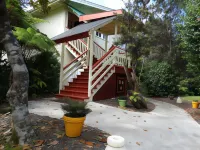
106	43
88	53
90	63
61	67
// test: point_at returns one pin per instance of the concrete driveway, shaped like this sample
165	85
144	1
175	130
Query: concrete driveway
167	127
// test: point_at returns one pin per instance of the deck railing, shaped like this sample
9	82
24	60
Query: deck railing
105	64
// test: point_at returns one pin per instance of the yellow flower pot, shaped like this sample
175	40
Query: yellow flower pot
195	104
73	126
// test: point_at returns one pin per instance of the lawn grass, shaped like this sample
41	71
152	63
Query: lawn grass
190	98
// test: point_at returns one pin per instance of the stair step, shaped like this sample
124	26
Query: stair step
75	96
74	93
82	77
78	87
78	84
81	80
69	94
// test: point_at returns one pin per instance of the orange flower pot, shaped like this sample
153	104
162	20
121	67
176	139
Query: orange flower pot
195	104
73	126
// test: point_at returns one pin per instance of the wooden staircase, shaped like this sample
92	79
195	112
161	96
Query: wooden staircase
86	84
78	89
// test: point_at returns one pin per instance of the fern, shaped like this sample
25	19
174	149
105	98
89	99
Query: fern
33	39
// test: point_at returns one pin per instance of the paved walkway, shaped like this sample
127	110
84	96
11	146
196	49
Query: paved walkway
165	128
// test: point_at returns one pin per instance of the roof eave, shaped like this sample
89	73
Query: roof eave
84	2
100	15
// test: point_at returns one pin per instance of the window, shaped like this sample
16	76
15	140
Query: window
100	35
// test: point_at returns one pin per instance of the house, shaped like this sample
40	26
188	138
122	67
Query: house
91	66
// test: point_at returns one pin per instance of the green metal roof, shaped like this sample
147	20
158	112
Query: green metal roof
76	11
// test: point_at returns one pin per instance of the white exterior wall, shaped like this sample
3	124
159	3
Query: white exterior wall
56	23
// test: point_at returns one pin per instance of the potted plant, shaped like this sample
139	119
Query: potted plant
122	101
195	104
74	117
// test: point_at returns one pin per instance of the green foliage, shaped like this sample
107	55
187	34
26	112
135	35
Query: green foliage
75	109
44	77
134	97
41	5
33	39
195	101
38	50
18	16
160	79
190	48
137	100
189	86
10	147
14	137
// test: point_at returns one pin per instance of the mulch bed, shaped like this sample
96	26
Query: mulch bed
186	105
50	135
129	106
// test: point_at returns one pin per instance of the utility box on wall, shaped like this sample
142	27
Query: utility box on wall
121	85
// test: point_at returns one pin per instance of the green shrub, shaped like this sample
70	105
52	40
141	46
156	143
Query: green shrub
159	79
44	72
189	86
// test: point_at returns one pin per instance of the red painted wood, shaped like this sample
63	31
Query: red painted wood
111	49
107	91
100	15
78	89
83	42
74	60
121	68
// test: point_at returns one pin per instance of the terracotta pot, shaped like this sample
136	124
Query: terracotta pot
73	126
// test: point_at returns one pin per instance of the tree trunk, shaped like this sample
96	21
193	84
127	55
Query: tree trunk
18	92
134	78
130	82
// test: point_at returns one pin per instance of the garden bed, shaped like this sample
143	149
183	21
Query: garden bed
129	106
50	134
186	105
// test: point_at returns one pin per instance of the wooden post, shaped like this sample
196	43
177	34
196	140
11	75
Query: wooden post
61	66
88	53
90	63
106	43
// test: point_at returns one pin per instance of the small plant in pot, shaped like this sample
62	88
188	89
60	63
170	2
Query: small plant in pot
122	101
74	117
195	104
